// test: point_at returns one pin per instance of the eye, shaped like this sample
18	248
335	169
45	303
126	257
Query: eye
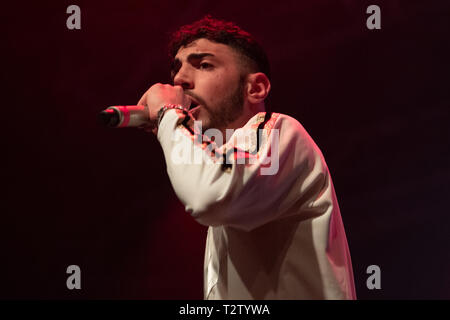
205	65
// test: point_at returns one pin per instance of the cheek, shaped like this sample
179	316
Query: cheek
212	89
215	87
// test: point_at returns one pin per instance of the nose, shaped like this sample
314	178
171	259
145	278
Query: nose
184	78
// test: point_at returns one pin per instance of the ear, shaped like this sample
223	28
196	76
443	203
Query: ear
258	87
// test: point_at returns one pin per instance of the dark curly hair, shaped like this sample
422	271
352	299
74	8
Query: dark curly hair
254	57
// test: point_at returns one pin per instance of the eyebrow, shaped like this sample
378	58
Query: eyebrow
176	64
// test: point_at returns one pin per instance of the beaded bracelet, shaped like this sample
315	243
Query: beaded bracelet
167	107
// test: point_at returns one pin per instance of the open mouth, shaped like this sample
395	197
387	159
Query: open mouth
194	104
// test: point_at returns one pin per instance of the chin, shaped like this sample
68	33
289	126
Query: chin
203	117
205	124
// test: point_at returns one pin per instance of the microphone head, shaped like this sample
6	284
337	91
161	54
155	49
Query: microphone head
109	118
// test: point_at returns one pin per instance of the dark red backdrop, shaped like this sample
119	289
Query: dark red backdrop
376	102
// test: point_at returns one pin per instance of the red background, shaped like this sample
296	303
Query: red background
376	103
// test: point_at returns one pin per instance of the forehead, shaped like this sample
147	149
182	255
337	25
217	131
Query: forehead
219	50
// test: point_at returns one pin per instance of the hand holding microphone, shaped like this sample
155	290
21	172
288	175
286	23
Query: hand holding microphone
145	113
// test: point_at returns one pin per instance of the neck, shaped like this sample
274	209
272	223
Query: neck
246	115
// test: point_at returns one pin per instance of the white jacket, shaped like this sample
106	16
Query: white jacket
271	236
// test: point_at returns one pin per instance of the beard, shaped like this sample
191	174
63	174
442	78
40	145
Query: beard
230	108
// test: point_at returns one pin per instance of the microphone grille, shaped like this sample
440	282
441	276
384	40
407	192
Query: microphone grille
109	118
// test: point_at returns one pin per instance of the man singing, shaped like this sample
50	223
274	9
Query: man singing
275	229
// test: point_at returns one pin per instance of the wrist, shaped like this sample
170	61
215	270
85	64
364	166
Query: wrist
166	107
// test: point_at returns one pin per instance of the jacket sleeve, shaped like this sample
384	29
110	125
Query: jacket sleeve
285	178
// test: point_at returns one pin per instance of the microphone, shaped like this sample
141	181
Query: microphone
124	116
